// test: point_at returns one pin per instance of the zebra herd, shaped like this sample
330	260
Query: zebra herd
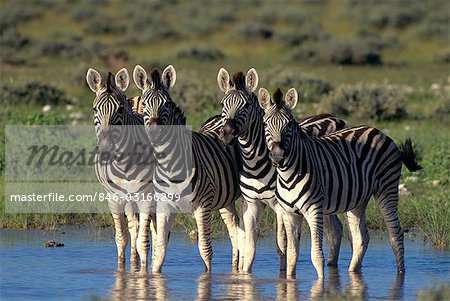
314	168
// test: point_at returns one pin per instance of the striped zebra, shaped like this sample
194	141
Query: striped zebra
118	129
337	173
209	183
243	121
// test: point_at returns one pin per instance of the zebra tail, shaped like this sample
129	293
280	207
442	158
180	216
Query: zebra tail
408	156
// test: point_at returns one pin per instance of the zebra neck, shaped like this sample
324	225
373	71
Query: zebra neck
173	151
298	159
252	142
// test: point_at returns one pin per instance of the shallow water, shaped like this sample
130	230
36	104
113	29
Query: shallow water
85	268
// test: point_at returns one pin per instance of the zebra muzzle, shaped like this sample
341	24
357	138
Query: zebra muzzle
276	154
229	131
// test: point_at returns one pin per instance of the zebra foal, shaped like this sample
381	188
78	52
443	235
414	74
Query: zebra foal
337	173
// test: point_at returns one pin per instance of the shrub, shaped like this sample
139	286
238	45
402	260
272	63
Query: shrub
442	112
254	30
210	54
10	57
13	39
310	89
340	52
151	33
308	32
436	24
366	102
104	24
34	93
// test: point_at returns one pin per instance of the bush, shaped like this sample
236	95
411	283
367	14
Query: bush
151	33
366	102
340	52
436	24
13	39
308	32
34	93
254	30
310	89
209	54
104	25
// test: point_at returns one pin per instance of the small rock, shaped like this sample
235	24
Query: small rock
46	108
403	190
53	243
412	179
76	115
69	108
435	182
435	87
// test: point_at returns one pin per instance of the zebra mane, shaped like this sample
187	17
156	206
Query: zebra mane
178	114
110	82
156	78
278	98
239	81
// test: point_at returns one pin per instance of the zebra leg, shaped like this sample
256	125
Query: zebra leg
251	216
333	235
241	237
281	237
163	224
293	225
360	236
314	217
121	237
153	231
143	242
231	220
202	216
388	206
133	227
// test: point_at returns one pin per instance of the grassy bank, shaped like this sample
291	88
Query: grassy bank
381	65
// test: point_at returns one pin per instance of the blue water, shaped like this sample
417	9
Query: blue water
85	269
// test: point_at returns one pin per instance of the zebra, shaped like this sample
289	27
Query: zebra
336	173
212	177
242	121
117	130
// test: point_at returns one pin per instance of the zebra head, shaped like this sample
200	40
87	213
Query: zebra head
237	102
279	124
109	105
158	107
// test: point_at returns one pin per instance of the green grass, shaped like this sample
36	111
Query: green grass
410	65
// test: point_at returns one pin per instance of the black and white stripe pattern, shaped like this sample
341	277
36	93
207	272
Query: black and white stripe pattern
209	183
243	120
118	130
337	173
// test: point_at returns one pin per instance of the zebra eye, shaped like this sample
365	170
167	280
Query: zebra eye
95	110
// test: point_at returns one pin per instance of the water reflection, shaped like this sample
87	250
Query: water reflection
355	289
287	290
139	285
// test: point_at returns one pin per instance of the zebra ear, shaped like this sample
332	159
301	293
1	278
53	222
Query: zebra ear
122	79
264	99
223	80
169	77
251	80
94	80
140	78
291	98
